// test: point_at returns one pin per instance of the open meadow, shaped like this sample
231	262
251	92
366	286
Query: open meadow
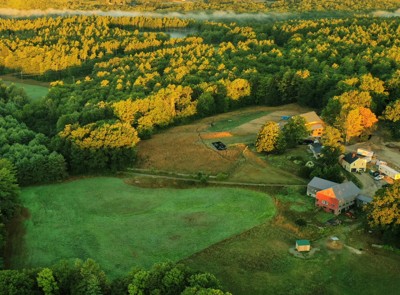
122	226
189	149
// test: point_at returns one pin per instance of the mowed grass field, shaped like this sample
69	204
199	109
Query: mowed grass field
122	226
227	124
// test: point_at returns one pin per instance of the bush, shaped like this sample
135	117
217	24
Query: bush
301	222
221	176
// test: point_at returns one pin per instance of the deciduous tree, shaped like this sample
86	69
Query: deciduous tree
267	138
332	138
384	210
46	281
294	131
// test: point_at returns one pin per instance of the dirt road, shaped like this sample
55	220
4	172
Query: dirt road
384	150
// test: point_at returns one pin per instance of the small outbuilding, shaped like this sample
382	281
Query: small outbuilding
316	149
303	245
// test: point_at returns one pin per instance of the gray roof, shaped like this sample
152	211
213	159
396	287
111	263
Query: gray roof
364	199
316	147
345	192
321	183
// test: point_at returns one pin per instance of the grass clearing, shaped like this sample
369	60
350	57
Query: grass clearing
34	89
228	124
291	160
258	262
122	226
34	92
192	145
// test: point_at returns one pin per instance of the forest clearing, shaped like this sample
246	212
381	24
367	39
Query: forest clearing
34	89
188	148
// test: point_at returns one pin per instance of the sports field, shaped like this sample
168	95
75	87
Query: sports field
122	226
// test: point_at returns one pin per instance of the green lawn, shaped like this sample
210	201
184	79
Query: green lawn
121	226
34	92
258	262
237	120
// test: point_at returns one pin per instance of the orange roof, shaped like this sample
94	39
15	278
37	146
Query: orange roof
344	192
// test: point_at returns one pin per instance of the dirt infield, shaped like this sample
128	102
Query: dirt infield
213	135
188	148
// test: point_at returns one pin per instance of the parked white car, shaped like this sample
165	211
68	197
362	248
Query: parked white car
379	177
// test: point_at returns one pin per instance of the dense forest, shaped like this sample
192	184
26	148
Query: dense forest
123	78
253	6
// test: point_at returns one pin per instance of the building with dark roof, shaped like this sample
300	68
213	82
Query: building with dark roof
353	163
316	149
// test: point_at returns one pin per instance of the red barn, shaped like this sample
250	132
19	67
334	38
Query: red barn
337	198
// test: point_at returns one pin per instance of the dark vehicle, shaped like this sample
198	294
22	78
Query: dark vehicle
306	141
219	145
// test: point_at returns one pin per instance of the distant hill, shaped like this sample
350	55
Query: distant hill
207	5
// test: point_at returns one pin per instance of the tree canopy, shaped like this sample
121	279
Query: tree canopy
86	277
268	137
384	210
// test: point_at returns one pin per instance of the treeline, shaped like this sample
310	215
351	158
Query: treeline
328	5
86	277
207	5
29	152
9	202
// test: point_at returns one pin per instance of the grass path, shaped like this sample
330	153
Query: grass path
190	177
121	226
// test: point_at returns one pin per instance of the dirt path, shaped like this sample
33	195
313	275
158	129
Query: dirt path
387	151
189	177
15	233
12	78
370	185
